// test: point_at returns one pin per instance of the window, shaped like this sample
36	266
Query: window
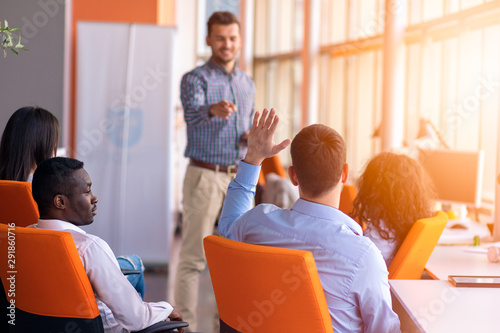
277	64
451	71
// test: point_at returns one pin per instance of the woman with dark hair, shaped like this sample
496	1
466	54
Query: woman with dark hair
393	192
30	136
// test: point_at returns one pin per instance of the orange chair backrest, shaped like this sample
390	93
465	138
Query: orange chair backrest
347	197
17	204
411	258
50	279
271	164
266	289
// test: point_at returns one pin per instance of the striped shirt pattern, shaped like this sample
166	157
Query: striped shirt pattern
212	139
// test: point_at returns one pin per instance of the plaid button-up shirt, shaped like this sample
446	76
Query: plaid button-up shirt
212	139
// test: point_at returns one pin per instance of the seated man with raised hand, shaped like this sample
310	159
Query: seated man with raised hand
62	190
351	269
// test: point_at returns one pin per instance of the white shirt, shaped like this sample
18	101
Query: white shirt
386	246
122	309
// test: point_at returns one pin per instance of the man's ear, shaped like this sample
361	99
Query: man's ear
345	173
292	175
207	40
60	201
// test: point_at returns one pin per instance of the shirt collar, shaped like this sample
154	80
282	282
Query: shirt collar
212	64
59	225
326	212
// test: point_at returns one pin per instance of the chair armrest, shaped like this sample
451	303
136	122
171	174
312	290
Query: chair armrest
128	271
163	327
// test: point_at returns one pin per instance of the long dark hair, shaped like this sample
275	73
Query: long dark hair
30	136
394	189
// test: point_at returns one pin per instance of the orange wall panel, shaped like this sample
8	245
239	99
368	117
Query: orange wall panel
143	11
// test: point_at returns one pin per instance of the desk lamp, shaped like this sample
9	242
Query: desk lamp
427	129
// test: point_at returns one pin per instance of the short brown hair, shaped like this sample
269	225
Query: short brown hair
318	157
223	18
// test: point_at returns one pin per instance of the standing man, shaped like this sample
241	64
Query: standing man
218	101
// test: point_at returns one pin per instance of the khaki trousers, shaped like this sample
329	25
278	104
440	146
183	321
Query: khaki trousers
204	191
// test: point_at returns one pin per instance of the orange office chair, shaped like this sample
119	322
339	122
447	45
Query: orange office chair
265	289
43	276
273	164
411	258
347	197
17	203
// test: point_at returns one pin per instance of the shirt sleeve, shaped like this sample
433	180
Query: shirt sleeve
239	200
114	290
193	98
371	287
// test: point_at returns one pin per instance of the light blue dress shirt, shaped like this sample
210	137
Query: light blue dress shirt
351	269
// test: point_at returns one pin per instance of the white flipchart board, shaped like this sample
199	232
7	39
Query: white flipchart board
124	132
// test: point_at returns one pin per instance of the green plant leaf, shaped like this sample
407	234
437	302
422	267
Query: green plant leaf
19	45
7	42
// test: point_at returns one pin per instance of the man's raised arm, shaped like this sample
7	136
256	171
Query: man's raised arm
241	190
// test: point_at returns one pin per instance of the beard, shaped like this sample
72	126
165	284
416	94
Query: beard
224	60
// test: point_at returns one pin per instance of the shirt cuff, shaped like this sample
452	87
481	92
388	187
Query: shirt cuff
205	112
248	173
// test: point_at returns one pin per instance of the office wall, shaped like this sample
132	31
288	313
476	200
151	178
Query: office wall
33	77
36	77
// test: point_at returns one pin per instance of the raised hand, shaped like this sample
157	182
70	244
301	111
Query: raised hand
261	138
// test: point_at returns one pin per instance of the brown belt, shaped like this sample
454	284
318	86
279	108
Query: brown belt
228	169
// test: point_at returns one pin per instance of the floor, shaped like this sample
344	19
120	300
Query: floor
159	287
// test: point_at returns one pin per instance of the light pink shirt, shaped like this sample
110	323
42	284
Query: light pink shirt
122	309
